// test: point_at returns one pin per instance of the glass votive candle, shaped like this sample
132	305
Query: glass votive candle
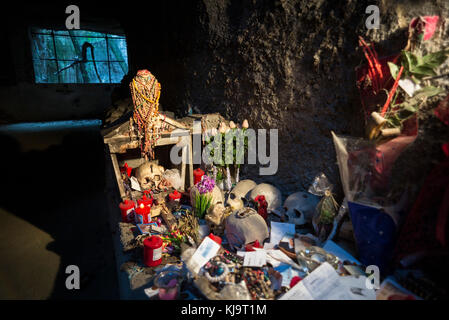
168	283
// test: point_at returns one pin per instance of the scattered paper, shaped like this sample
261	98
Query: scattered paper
255	258
278	230
409	86
206	251
135	184
277	257
357	288
323	283
241	253
268	246
150	292
390	287
287	273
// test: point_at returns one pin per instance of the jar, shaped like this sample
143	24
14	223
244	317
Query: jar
127	210
175	196
152	251
197	175
142	214
168	283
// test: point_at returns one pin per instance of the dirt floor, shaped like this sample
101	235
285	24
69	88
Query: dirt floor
53	213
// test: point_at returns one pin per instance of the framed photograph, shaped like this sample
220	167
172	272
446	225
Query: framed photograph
145	228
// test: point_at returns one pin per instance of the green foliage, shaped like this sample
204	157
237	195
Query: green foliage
394	69
416	68
202	203
231	141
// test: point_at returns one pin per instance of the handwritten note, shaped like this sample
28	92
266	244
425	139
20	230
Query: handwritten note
255	258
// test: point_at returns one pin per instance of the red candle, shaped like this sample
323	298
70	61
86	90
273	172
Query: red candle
146	201
217	239
142	214
175	195
197	175
127	210
152	251
126	169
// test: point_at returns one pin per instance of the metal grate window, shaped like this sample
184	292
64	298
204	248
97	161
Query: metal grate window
78	56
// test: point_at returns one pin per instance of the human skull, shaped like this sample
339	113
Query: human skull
272	195
149	175
299	207
214	218
245	226
238	193
215	214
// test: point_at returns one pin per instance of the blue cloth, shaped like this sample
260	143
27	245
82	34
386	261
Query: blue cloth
375	234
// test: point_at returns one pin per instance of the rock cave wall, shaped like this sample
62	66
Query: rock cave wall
286	65
289	65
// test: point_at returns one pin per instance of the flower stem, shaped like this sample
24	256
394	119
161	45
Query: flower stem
228	178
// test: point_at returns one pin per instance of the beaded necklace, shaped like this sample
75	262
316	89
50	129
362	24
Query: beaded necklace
145	92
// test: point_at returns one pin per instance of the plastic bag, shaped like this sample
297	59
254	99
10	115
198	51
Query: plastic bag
366	171
327	208
174	178
376	202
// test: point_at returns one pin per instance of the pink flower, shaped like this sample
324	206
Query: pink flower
206	185
431	25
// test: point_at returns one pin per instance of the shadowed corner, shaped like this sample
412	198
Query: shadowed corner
53	213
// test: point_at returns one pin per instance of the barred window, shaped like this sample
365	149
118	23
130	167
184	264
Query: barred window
78	56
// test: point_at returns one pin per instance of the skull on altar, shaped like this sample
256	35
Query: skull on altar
149	175
299	207
272	195
236	199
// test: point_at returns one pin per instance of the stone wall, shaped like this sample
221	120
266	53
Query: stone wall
286	65
290	65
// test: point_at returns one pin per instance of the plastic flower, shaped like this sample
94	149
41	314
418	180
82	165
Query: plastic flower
206	185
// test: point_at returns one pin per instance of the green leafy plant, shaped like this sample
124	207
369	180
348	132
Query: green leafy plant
236	157
202	203
418	69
